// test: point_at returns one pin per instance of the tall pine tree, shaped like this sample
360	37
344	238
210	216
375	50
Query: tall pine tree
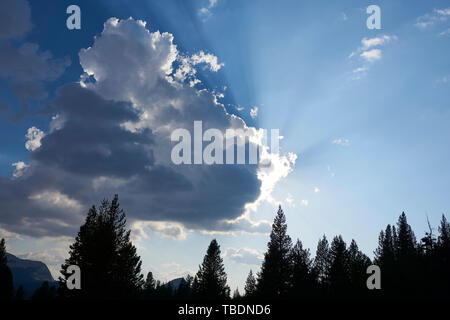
338	272
110	267
357	267
211	276
302	276
407	264
322	262
250	285
274	278
405	245
385	253
444	238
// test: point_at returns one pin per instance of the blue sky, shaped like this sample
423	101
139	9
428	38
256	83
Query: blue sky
370	130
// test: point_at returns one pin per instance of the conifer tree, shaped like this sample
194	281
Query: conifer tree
444	236
385	253
195	287
406	241
150	282
338	272
149	286
407	263
357	267
274	278
211	276
110	267
250	285
6	279
236	294
322	261
302	278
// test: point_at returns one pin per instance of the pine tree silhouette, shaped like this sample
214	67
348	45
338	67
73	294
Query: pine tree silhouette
321	263
211	276
386	258
6	279
357	267
110	267
236	294
149	286
274	278
385	253
302	277
338	272
406	243
250	286
407	260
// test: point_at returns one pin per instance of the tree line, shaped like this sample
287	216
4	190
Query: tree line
111	268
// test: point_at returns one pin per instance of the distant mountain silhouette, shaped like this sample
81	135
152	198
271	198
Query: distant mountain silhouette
175	283
30	274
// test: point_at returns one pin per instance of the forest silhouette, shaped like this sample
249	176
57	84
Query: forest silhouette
111	269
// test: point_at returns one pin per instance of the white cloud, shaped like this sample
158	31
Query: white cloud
332	174
444	80
316	190
305	203
244	256
208	59
437	17
290	200
369	52
443	12
377	41
170	271
254	112
166	229
360	69
206	12
344	142
21	167
371	55
58	200
34	136
445	32
187	71
9	235
367	49
273	168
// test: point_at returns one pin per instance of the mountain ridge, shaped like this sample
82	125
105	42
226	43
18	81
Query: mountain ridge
29	274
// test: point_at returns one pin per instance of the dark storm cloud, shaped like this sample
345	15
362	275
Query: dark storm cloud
24	65
28	62
91	141
15	18
114	137
91	145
